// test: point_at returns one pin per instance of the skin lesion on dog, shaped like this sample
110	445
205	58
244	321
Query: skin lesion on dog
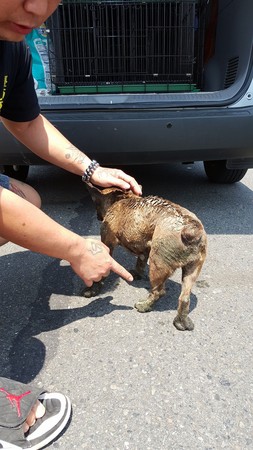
153	228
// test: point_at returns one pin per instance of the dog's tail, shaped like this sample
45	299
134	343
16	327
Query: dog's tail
192	233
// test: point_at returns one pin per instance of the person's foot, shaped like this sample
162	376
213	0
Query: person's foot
37	412
29	417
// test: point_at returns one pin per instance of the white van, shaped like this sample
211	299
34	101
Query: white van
150	81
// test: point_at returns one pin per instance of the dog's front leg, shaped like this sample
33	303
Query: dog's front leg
93	290
138	272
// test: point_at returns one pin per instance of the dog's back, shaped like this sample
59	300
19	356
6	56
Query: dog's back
152	227
133	221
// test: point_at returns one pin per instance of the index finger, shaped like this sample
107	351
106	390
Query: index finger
120	270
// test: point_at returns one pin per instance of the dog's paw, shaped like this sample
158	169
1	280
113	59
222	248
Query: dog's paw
143	306
183	324
92	291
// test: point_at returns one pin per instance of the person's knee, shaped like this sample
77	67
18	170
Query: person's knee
33	196
25	191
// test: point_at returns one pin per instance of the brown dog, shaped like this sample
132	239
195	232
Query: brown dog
155	228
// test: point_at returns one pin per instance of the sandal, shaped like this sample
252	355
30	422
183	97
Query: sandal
16	402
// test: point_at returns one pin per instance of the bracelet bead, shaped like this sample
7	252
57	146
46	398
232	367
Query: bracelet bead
90	170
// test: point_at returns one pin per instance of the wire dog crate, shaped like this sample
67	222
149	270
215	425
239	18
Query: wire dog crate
126	46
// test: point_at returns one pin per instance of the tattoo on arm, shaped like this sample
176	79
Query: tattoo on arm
16	190
74	154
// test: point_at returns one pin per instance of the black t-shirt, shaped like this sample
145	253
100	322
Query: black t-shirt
18	99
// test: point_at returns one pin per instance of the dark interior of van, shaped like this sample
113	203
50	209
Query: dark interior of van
151	46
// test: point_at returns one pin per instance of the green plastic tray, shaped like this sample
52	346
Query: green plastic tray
131	88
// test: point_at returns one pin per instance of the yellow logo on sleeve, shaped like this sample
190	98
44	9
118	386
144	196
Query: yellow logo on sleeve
4	91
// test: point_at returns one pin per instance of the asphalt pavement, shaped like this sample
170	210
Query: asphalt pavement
135	382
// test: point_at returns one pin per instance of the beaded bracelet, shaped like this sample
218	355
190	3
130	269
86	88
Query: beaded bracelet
89	171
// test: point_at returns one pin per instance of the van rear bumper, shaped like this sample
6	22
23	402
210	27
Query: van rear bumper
148	136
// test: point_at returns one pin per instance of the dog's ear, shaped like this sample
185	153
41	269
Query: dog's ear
94	191
105	197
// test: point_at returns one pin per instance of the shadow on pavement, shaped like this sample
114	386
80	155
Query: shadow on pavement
26	310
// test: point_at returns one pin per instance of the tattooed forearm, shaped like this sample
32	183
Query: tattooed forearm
73	154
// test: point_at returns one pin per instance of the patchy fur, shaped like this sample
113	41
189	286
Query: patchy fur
153	228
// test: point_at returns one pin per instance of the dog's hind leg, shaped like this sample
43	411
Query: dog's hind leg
158	276
190	273
161	266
